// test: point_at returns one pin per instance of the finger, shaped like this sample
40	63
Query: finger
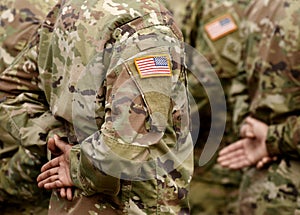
239	165
69	193
263	162
47	174
232	147
229	156
266	159
249	133
59	143
259	164
53	185
238	157
251	121
50	164
237	162
228	161
246	131
42	182
274	158
63	193
52	147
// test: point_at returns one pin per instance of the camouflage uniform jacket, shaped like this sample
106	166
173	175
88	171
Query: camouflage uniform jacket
271	82
132	150
22	139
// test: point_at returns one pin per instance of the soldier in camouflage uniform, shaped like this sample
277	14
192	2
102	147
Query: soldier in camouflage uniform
214	190
267	112
112	72
21	156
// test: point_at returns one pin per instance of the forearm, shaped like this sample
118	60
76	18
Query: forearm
88	178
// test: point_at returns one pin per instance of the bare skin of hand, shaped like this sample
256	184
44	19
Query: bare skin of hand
264	161
246	130
259	130
55	151
56	173
248	151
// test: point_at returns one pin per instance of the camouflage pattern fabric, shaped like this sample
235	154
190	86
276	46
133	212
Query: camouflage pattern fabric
132	150
272	82
22	140
19	20
214	190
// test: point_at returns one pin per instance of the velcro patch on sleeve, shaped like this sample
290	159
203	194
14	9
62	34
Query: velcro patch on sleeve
153	66
220	27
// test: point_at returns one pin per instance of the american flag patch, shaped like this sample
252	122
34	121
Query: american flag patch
152	66
220	27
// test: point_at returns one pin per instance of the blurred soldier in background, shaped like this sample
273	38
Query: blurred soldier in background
267	111
21	156
214	188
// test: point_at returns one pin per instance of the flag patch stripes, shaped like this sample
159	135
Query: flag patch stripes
152	66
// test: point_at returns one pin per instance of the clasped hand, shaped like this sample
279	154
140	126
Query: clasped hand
55	174
250	149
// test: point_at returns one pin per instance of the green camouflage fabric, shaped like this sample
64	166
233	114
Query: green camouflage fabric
272	80
132	152
214	190
19	20
184	15
22	140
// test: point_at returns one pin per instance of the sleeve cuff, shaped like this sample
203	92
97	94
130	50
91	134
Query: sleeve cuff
273	139
89	179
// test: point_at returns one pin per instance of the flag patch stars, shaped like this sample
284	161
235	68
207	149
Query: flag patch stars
153	66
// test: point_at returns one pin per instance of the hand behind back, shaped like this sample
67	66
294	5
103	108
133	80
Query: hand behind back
55	174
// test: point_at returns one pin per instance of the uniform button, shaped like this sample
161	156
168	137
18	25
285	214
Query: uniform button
117	33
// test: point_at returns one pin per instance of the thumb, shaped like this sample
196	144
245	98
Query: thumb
251	121
61	145
249	134
247	131
53	148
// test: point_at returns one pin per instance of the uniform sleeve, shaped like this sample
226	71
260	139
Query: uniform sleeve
283	139
145	114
